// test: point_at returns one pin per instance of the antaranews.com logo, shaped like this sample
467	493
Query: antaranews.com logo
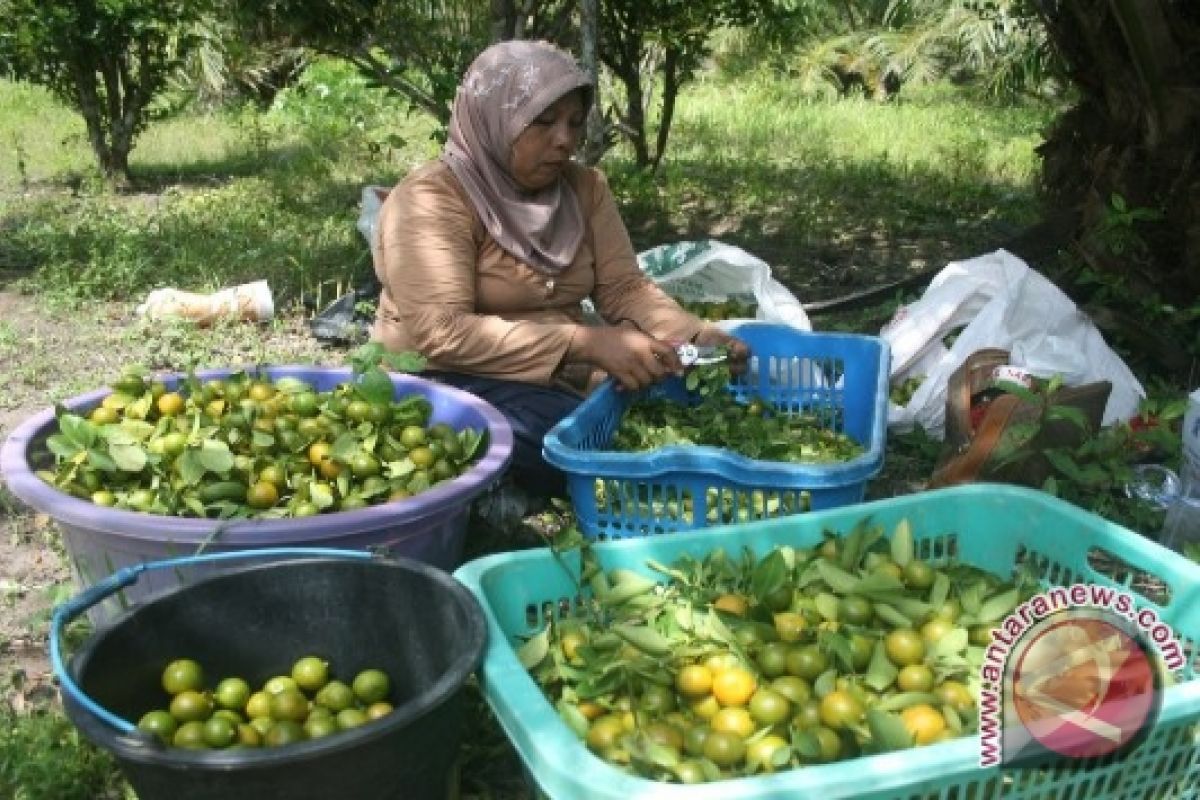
1075	672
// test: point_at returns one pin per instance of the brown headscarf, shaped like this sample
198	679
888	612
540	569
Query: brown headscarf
507	87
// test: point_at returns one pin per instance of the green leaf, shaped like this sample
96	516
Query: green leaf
215	456
891	616
101	460
825	683
1070	413
376	387
191	468
262	439
902	543
533	651
367	356
952	644
999	606
806	743
903	700
406	361
321	495
128	457
770	574
63	446
77	429
857	542
940	590
827	606
839	580
881	671
344	447
878	583
888	731
472	442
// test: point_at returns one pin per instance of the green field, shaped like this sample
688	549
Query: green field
234	195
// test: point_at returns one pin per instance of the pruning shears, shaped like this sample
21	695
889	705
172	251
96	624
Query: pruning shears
693	355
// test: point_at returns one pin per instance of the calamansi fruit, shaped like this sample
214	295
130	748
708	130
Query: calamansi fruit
923	722
734	686
170	404
258	705
724	749
317	727
159	723
840	709
190	735
733	604
904	646
380	709
351	718
761	753
371	686
262	494
181	675
232	693
191	706
280	683
219	732
310	673
289	704
282	733
694	680
915	678
335	696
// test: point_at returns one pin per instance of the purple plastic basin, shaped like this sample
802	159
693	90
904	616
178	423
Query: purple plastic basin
430	527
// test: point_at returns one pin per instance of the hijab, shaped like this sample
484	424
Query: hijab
507	86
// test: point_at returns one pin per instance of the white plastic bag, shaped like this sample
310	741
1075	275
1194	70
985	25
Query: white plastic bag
372	200
998	301
708	271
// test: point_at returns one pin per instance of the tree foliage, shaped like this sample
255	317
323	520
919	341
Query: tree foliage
649	44
107	59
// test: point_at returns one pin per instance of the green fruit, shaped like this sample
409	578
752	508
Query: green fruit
371	686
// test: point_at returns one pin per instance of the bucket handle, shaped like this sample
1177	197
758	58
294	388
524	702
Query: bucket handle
127	576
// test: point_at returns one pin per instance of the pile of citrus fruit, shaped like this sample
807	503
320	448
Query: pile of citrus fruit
738	664
248	446
306	703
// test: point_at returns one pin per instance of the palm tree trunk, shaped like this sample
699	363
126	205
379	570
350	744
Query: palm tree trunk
1129	144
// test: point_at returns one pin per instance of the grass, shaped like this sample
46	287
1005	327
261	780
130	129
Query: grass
237	195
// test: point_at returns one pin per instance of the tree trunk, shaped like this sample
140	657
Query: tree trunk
670	92
589	35
1125	157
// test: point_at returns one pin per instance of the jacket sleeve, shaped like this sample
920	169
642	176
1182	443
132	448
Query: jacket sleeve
428	268
622	292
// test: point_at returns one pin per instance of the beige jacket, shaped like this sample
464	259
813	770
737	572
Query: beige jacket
451	294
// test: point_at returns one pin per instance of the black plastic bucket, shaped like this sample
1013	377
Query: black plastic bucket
412	620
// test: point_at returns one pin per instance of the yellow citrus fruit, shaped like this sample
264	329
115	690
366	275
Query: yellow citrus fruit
923	722
734	687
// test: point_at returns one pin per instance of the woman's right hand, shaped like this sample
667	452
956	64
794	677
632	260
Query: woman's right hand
632	358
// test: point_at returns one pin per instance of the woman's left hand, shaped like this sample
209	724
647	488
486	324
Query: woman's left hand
739	352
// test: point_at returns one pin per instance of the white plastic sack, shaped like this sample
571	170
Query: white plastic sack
708	271
1002	303
372	200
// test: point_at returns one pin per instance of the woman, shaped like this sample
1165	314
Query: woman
486	253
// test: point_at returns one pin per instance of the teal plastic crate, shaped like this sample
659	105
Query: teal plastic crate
840	379
990	526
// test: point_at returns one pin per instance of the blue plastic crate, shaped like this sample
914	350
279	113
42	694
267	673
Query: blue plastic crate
993	527
841	379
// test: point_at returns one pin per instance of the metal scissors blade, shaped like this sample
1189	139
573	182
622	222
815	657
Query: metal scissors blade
694	355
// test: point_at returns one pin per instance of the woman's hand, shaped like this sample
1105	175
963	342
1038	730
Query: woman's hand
629	356
739	353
